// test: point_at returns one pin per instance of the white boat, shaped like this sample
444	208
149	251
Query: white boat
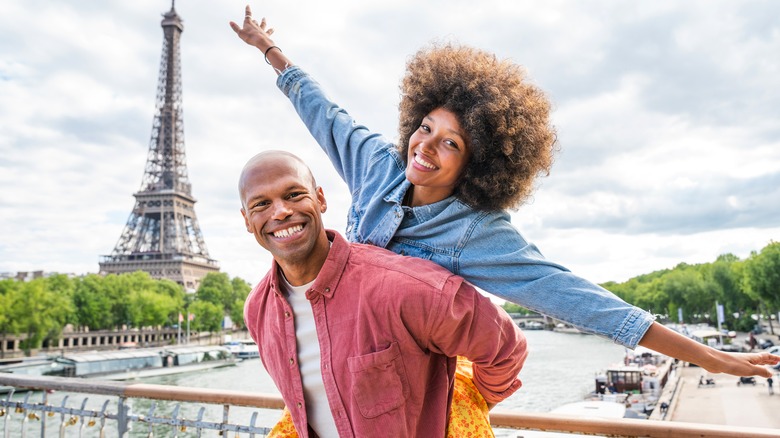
587	409
566	328
531	325
243	348
637	382
593	408
136	363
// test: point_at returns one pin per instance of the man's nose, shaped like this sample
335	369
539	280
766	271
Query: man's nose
281	210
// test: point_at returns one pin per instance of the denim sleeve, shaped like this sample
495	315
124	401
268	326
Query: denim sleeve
516	271
350	147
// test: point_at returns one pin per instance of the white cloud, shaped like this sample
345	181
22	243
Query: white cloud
667	116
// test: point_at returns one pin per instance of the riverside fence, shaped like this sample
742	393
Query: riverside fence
23	416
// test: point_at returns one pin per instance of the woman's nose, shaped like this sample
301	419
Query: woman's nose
426	146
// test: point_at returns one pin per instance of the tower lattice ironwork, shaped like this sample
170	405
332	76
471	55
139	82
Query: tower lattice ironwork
162	235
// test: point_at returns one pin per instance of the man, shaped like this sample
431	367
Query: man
361	341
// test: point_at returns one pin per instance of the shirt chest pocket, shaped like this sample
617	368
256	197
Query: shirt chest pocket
379	381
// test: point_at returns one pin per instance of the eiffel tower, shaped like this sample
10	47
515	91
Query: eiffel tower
162	236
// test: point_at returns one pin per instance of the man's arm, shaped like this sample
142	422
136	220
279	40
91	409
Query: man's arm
468	324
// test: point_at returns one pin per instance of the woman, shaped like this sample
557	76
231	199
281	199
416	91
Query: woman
473	137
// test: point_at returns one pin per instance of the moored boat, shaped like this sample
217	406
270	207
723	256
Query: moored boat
131	363
637	382
243	348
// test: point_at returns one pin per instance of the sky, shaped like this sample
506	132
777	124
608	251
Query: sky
667	114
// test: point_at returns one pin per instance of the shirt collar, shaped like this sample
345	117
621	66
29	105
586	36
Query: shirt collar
328	279
396	196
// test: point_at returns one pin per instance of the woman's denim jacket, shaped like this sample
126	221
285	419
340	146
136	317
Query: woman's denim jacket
483	247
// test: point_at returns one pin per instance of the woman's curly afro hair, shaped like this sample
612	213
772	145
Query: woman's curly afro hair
506	120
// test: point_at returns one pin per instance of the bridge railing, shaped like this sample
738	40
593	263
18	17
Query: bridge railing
24	416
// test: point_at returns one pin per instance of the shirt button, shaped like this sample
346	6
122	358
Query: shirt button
292	361
299	404
398	213
327	289
287	314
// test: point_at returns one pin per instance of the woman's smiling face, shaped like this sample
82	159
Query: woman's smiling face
438	154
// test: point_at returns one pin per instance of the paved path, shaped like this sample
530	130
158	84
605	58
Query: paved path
726	403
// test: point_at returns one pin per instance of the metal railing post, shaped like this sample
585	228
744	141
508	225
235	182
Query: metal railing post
121	416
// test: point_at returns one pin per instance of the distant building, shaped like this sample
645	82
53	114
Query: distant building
162	235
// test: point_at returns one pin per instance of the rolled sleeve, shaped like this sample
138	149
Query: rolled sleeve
470	325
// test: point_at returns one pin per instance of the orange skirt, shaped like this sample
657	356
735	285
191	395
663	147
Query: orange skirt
469	415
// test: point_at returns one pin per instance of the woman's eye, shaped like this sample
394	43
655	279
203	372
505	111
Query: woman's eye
425	128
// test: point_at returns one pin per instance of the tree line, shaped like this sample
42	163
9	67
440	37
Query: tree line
41	308
749	290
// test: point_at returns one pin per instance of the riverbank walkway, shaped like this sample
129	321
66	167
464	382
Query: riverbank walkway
725	403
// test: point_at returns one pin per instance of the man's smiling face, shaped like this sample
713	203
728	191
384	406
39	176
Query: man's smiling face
283	208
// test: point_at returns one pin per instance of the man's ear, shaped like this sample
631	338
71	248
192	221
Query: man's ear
322	201
246	220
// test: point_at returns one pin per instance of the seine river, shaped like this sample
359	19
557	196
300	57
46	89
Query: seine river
560	369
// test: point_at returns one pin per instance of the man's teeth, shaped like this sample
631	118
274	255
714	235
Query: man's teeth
289	231
423	163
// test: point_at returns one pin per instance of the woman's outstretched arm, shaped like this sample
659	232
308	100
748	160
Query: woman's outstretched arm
667	341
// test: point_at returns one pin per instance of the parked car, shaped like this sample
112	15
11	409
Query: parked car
764	343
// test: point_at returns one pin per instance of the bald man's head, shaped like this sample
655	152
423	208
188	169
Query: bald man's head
262	162
282	207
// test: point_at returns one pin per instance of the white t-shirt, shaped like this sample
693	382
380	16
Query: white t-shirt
317	406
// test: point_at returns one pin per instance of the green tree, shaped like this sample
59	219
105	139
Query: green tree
515	308
7	293
208	316
216	288
148	308
93	304
241	290
762	275
38	313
